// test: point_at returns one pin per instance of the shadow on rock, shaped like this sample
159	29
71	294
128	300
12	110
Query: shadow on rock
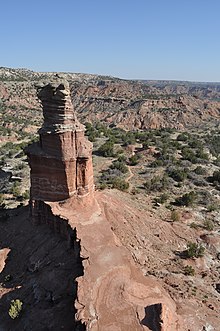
40	270
152	317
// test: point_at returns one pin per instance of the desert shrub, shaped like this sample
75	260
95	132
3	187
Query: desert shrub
128	138
102	185
214	144
15	189
122	158
162	198
195	143
188	154
7	278
182	137
175	216
201	154
194	225
120	165
187	199
157	183
145	144
216	177
157	163
91	132
120	184
26	195
176	144
15	308
199	170
97	130
194	250
109	174
19	166
197	179
178	174
107	149
189	270
133	160
208	225
213	207
204	197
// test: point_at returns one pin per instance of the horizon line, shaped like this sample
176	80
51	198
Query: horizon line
111	76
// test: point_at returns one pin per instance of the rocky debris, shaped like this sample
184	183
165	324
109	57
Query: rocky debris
61	162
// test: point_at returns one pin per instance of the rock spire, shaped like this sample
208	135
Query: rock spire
61	162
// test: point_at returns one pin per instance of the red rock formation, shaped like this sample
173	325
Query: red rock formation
61	163
112	294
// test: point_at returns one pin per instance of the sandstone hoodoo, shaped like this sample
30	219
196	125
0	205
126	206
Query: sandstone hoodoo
61	162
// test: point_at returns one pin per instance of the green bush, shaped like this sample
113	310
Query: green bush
188	154
157	163
194	250
183	136
213	207
201	154
187	199
200	170
216	176
189	270
162	198
120	184
178	175
208	225
120	165
15	308
107	149
128	138
175	216
134	160
15	190
157	183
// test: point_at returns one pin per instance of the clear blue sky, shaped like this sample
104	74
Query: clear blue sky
145	39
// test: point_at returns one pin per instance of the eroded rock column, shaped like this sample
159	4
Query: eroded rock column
61	162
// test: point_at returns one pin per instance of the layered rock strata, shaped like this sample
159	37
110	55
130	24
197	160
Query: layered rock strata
112	294
61	162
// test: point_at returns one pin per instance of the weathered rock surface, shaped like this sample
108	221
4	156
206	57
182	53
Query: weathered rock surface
113	294
61	163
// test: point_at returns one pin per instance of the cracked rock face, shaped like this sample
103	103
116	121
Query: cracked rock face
61	162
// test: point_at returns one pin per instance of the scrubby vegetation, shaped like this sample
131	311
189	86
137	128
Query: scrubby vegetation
15	308
177	170
194	250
